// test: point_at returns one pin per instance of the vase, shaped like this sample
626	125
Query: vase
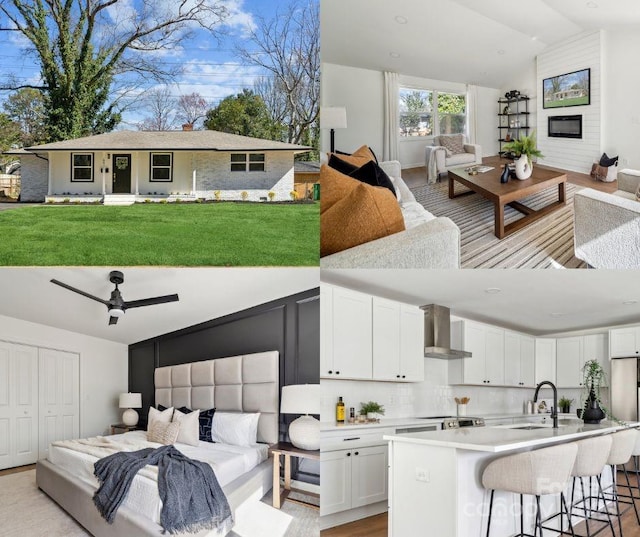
504	178
462	409
593	414
523	168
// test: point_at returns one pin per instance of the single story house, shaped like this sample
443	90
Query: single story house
122	167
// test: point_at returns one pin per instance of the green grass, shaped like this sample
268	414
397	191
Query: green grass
224	234
567	102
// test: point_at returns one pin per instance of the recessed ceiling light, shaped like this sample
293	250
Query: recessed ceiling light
394	54
592	5
492	290
501	51
557	314
534	38
401	20
630	302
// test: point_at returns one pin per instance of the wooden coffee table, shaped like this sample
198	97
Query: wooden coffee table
488	185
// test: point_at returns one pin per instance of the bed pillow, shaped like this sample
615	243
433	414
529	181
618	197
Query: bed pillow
235	428
205	419
189	427
163	433
163	416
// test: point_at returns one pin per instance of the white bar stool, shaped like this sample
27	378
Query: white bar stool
593	454
535	473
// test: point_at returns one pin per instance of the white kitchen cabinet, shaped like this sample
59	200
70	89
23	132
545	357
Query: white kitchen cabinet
398	337
353	478
527	361
346	333
596	347
519	360
573	352
624	342
545	359
486	364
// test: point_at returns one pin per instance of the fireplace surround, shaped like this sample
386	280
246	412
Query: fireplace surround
565	126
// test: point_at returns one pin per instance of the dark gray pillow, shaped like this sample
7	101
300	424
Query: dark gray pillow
607	161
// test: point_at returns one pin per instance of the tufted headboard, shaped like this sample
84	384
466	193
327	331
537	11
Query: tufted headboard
247	383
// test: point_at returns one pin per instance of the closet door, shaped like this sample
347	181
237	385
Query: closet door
18	405
59	392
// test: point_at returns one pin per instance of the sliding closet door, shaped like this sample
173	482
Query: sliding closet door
59	393
18	405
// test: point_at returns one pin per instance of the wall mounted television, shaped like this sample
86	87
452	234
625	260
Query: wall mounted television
570	89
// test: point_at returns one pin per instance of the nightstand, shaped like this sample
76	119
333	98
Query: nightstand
119	428
288	450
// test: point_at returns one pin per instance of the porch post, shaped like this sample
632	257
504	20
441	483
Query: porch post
193	173
104	175
193	189
48	174
137	166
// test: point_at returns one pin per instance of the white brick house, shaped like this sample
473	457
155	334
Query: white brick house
137	165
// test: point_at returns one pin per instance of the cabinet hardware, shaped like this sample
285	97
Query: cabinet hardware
352	438
349	454
357	453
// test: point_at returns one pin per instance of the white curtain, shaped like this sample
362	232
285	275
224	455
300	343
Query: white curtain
391	118
472	113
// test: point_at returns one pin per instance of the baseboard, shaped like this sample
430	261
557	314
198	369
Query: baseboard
351	515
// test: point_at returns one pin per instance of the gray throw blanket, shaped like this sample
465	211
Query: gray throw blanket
192	499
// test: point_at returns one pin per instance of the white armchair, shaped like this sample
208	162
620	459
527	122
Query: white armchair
437	162
607	226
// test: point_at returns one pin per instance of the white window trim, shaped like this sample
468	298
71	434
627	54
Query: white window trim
247	162
73	167
435	115
152	167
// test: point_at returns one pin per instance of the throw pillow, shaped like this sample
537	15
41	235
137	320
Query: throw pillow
157	415
235	428
638	193
341	165
189	427
333	187
365	214
371	150
205	420
453	144
359	157
163	433
369	173
606	161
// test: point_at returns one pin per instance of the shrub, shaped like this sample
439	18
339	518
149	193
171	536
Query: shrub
271	195
147	200
198	200
163	200
244	195
178	200
65	200
217	194
294	195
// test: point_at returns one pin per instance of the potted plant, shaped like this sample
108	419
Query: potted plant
565	405
371	410
524	148
594	378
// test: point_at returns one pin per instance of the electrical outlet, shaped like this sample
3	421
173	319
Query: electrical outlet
423	475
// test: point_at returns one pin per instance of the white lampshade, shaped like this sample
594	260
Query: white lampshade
300	399
333	117
130	400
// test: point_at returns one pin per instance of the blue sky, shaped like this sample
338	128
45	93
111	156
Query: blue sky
210	66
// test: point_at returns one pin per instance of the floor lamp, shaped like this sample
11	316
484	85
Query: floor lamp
333	117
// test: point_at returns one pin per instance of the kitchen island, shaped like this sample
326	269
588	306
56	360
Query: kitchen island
435	478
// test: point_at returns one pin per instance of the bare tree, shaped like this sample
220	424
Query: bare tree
192	108
84	45
160	105
288	50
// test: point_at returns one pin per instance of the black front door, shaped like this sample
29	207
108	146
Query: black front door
121	174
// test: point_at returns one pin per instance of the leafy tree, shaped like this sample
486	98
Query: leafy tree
415	107
451	113
84	46
26	107
10	137
245	114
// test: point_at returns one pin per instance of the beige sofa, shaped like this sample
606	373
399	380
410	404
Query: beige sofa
427	241
437	162
607	226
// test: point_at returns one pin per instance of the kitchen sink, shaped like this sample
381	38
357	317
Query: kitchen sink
530	427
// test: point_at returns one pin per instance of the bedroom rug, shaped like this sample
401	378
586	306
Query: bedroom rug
546	243
25	511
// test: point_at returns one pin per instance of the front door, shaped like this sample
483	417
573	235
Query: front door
121	174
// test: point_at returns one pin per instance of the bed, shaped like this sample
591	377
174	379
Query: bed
247	383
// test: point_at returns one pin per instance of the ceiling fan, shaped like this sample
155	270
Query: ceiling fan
116	304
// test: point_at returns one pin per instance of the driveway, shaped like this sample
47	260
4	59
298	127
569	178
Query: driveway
7	206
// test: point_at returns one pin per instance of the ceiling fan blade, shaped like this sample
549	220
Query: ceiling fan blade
62	284
151	301
113	320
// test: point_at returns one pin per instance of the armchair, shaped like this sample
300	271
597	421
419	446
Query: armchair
607	226
437	161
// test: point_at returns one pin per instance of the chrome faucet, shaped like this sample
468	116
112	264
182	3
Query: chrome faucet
554	408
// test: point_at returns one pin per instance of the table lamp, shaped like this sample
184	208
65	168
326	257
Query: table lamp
333	117
130	401
304	432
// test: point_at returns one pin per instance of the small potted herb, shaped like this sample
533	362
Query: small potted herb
565	405
372	410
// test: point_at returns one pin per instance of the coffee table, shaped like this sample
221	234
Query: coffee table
488	185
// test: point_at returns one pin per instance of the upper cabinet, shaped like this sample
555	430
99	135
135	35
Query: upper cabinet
365	337
624	342
519	360
573	352
545	354
486	364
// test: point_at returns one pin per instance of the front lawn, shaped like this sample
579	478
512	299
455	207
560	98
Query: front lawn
221	234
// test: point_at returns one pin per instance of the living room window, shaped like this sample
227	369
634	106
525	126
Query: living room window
82	167
161	167
431	113
242	162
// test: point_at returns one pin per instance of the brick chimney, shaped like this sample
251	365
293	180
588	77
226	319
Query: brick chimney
187	126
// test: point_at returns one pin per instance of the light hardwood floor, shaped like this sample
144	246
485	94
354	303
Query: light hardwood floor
17	470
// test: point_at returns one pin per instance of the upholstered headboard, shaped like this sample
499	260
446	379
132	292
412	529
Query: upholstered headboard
247	383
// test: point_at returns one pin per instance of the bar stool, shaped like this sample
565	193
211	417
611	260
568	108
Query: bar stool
535	473
635	454
621	448
591	460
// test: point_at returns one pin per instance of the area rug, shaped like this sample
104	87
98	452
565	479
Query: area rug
26	511
546	243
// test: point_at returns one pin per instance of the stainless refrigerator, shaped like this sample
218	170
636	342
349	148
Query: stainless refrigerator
625	379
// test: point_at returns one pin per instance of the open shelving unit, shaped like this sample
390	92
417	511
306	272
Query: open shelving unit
515	121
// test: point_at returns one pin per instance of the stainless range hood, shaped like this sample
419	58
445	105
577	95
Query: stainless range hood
437	334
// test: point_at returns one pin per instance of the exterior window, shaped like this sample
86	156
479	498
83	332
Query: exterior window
242	162
431	113
161	167
82	167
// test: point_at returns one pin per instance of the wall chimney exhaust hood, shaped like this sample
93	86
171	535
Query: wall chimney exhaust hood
437	334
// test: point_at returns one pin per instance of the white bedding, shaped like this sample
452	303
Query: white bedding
228	462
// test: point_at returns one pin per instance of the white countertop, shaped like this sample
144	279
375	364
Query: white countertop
384	422
500	439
